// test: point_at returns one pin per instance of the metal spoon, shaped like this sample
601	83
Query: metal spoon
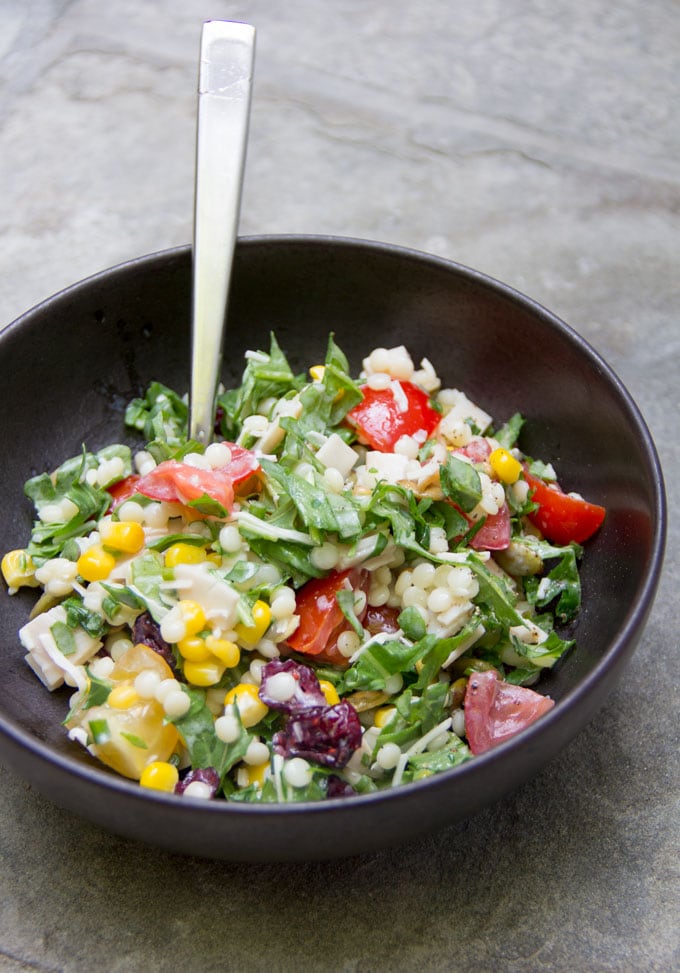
224	86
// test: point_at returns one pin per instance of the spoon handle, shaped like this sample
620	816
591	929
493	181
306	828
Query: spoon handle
224	86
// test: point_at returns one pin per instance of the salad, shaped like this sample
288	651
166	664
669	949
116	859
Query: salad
354	587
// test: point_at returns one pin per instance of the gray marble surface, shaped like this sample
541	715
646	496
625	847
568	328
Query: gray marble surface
536	141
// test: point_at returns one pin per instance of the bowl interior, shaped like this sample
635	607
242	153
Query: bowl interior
70	366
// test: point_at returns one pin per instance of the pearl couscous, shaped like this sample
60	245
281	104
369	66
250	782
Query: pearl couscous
353	588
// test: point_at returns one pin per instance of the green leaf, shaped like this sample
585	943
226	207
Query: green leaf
460	483
100	731
494	591
508	434
64	638
78	614
160	414
380	660
197	728
412	624
422	765
135	740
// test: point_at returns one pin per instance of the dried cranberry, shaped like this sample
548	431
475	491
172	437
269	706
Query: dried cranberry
204	775
337	787
219	416
308	693
326	735
148	632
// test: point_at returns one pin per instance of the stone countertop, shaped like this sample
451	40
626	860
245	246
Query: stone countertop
536	142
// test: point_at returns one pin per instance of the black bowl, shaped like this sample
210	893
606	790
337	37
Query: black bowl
69	366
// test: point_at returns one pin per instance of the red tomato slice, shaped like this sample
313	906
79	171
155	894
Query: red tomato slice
494	534
122	491
321	618
382	417
477	450
173	481
562	518
495	711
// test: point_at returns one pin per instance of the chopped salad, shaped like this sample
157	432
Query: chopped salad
353	587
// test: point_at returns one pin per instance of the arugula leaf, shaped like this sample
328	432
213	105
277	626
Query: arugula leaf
319	510
197	729
508	434
64	638
494	591
265	376
380	660
415	715
148	574
460	483
422	765
77	614
160	414
562	582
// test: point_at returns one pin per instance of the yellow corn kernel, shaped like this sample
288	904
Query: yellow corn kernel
95	564
257	774
159	776
383	716
181	553
122	537
505	466
123	696
214	558
193	648
193	616
18	570
250	707
251	634
329	691
317	373
227	652
206	673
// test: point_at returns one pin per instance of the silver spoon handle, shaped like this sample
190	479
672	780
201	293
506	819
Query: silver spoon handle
224	87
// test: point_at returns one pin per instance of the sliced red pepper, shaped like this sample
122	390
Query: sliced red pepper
560	517
383	417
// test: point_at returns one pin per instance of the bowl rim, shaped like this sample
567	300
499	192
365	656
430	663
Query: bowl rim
582	696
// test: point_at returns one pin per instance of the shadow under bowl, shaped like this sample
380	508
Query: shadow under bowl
68	368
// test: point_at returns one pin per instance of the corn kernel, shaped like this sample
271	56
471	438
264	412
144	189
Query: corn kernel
18	570
251	634
123	696
206	673
181	553
505	466
193	648
95	564
227	652
329	691
250	707
255	775
159	776
122	537
192	615
214	558
383	716
317	373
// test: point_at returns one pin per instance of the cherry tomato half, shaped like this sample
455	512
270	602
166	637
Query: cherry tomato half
173	481
382	417
561	518
321	618
496	710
